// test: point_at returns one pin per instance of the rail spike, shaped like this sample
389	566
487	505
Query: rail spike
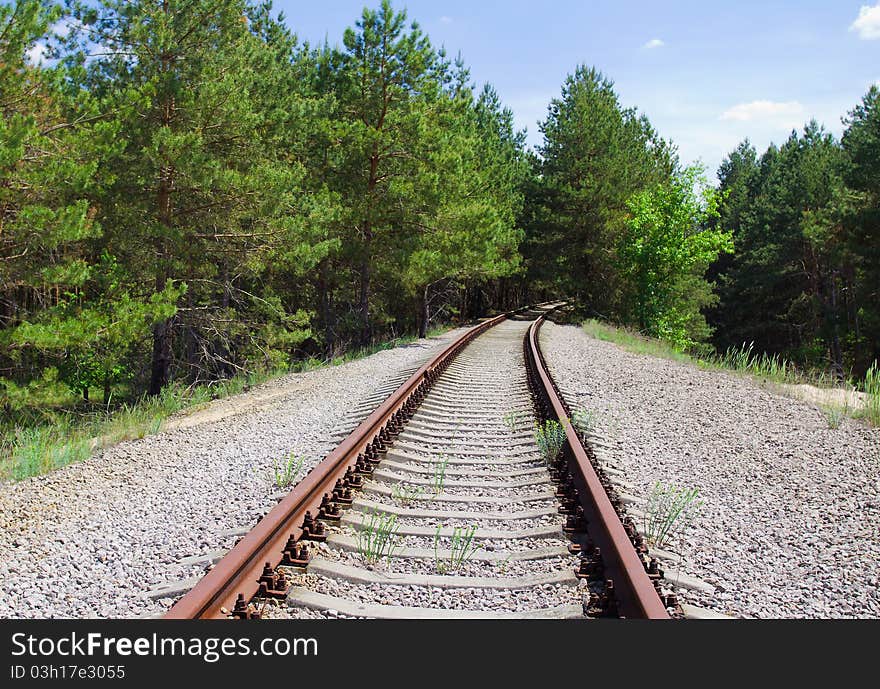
244	610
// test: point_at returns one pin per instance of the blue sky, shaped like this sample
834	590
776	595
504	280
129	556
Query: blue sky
707	73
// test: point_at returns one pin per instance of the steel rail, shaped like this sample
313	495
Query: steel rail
634	590
239	572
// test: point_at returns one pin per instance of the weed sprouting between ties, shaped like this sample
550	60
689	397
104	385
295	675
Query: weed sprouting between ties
550	439
514	420
406	494
378	537
584	421
461	548
438	479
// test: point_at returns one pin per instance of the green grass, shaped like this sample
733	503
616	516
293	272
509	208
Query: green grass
285	472
633	341
514	420
835	416
438	478
461	548
871	412
584	420
55	429
61	437
378	537
669	510
43	448
746	361
405	494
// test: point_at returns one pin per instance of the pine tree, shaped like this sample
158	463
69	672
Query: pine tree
64	316
389	80
596	155
195	198
861	172
470	234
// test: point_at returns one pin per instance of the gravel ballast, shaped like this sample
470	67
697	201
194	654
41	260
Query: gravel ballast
790	525
90	539
484	383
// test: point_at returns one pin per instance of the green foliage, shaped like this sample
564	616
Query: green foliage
514	420
550	439
211	198
872	390
406	494
596	155
772	366
43	435
206	199
800	284
584	420
632	340
669	244
835	416
41	449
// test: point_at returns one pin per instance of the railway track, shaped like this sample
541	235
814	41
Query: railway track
441	504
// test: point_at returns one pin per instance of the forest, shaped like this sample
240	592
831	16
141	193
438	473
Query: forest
188	193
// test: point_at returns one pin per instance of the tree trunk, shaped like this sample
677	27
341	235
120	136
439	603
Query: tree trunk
161	363
161	356
836	349
424	312
328	316
107	392
366	326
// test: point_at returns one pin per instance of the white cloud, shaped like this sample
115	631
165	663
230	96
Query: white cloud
868	22
445	20
653	43
788	114
63	27
36	55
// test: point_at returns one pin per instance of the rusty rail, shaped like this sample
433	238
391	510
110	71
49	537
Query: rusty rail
634	590
250	565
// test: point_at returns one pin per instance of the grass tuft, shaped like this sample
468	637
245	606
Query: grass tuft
871	410
461	546
514	420
285	473
835	416
584	421
668	512
438	479
406	494
378	537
